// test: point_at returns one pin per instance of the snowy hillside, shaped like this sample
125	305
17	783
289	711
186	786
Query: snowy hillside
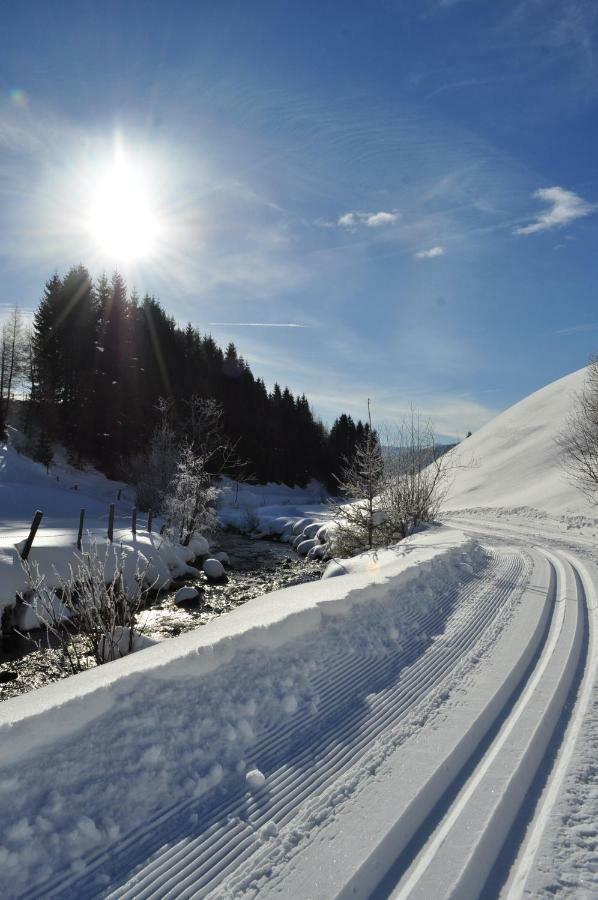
514	460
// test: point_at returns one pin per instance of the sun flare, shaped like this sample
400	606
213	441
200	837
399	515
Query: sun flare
123	221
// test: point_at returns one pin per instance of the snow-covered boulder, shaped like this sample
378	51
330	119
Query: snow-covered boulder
213	568
119	643
279	525
310	531
306	545
323	533
42	609
300	524
223	558
317	552
199	545
287	535
186	593
333	569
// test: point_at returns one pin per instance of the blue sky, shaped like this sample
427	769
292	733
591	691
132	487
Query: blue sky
415	185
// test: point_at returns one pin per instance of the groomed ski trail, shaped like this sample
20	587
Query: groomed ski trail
230	842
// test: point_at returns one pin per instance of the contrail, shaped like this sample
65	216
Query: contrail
263	324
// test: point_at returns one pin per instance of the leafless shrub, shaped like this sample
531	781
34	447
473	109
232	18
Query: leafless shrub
579	438
92	615
416	479
392	494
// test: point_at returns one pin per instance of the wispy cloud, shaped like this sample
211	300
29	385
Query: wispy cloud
260	324
564	207
429	254
368	219
576	329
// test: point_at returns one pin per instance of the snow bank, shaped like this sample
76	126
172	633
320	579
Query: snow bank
515	461
148	558
175	720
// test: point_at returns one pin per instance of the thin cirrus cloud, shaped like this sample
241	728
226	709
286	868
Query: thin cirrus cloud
370	220
564	207
261	324
429	254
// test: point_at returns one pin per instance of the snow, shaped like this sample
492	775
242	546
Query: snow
255	780
131	728
216	715
514	461
213	568
186	593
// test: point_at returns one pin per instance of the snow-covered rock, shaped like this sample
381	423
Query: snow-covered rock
119	643
310	531
199	546
39	611
213	568
223	558
186	593
300	524
305	546
317	552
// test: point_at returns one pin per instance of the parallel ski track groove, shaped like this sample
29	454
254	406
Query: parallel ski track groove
222	851
233	837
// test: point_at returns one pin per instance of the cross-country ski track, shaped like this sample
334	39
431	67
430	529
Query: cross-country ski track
424	774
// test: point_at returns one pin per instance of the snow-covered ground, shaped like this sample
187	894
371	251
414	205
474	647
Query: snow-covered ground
60	494
423	723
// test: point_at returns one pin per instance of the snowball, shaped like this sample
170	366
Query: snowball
213	568
270	829
186	593
255	779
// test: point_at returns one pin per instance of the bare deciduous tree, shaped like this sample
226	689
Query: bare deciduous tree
579	438
393	494
189	504
416	478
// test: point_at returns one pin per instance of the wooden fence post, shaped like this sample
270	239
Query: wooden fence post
111	523
80	535
32	532
134	521
150	517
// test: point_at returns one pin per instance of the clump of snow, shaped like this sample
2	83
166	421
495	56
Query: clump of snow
255	779
214	569
186	593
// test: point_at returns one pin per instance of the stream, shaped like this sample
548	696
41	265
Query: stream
256	567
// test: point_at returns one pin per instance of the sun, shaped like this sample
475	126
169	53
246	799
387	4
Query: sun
123	220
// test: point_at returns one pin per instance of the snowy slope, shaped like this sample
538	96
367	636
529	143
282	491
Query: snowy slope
514	461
